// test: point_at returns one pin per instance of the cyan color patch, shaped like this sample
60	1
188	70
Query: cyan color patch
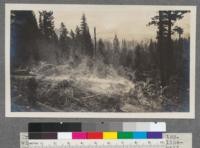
139	135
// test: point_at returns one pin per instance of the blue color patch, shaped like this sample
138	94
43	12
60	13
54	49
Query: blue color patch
154	135
139	135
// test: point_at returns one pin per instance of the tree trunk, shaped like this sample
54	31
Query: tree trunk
170	56
160	48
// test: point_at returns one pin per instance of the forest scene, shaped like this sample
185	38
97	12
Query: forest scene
55	68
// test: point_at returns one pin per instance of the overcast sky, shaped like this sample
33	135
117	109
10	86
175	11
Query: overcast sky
127	22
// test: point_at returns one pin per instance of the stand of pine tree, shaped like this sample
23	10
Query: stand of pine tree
74	72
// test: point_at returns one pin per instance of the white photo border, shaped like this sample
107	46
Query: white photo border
172	115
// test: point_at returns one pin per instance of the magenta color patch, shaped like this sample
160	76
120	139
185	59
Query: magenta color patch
79	135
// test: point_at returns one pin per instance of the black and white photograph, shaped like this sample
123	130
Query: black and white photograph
112	61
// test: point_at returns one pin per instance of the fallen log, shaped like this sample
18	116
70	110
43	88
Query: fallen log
46	107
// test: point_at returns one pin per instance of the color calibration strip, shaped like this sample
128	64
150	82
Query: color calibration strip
169	140
97	126
97	135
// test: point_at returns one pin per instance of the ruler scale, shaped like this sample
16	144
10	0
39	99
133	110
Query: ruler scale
97	143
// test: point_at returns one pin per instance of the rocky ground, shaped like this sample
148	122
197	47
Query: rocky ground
64	88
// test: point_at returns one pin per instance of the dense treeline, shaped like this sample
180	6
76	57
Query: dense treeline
161	59
165	21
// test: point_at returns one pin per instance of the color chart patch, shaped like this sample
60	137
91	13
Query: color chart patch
97	135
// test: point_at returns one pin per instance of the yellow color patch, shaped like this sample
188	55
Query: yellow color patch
109	135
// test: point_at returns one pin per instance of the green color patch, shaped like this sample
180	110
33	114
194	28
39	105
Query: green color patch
125	135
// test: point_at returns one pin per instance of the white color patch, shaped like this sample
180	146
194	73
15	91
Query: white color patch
64	135
158	126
